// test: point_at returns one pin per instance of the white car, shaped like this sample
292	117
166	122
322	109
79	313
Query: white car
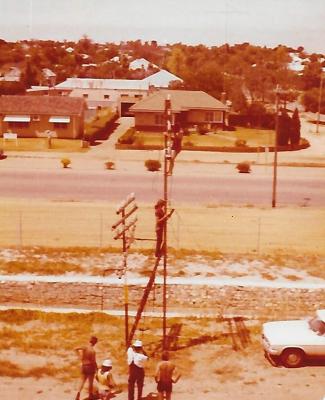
292	342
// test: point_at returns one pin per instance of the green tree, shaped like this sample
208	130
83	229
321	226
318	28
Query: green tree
295	128
29	76
284	128
310	100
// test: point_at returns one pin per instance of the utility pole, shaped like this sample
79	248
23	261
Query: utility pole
319	99
167	159
126	233
275	162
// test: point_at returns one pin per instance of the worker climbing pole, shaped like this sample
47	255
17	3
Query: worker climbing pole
162	215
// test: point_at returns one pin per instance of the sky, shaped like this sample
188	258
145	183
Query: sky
210	22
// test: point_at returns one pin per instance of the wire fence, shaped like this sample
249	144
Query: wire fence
202	229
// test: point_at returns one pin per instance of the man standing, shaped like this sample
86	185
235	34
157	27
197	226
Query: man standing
166	375
87	356
161	217
137	358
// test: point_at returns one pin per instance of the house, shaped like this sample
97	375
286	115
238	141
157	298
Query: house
117	94
12	75
162	79
47	77
141	63
35	116
189	109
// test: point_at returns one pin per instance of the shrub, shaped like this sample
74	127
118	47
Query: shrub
128	137
152	165
241	143
203	130
244	167
65	162
110	165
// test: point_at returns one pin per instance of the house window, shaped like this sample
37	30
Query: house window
209	116
85	95
159	119
59	125
124	96
17	125
36	118
138	96
106	96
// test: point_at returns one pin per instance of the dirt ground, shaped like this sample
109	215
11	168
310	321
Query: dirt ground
209	370
217	373
212	370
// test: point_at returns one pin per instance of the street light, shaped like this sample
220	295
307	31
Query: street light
320	98
275	162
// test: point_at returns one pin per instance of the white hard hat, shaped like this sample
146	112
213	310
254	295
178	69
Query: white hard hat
137	343
107	363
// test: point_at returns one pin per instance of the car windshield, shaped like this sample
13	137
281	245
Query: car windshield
317	325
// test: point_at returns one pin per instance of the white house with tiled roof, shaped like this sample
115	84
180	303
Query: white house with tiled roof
34	116
188	108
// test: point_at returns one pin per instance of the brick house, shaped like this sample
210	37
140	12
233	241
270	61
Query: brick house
34	116
189	108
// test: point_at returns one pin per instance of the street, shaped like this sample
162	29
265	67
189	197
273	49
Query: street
223	185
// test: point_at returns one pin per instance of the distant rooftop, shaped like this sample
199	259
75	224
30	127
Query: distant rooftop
93	83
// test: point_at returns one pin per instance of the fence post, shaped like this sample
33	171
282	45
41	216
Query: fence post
258	235
20	230
100	230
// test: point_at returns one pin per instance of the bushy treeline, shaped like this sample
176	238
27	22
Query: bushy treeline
242	73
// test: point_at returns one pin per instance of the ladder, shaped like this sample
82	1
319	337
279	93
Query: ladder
144	300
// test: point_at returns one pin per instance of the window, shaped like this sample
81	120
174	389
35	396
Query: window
85	95
17	125
159	119
106	96
124	95
60	125
209	116
138	96
36	118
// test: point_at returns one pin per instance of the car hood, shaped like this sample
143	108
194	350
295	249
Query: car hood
288	332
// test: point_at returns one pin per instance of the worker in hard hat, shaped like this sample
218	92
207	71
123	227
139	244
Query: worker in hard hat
107	387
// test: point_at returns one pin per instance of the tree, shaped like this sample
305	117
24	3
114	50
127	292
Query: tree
310	100
29	76
295	128
284	128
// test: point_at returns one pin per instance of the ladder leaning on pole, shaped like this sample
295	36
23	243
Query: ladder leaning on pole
144	300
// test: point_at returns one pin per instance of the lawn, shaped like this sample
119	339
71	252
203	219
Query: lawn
41	144
253	137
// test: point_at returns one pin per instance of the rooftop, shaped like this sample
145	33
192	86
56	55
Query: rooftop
93	83
181	100
41	105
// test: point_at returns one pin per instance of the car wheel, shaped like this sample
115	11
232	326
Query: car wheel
292	358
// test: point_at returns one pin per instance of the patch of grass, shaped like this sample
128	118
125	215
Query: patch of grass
292	277
12	370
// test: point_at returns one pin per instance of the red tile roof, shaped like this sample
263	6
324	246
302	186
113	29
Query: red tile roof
181	100
54	105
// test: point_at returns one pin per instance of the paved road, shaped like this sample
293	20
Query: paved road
226	187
